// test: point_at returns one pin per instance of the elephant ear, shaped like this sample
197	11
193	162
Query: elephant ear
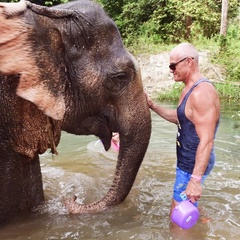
26	51
38	92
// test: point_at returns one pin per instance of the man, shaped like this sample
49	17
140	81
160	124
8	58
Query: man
197	118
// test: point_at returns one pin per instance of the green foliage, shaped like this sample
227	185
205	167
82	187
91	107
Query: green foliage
172	94
53	2
228	91
230	57
113	8
229	54
167	21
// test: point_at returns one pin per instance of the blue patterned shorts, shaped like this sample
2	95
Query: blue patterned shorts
182	179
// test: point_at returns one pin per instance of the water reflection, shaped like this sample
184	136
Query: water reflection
85	169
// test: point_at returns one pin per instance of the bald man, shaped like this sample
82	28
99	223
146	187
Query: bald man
197	118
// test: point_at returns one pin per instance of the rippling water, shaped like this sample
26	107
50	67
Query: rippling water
85	169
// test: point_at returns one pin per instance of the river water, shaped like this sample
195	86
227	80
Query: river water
85	169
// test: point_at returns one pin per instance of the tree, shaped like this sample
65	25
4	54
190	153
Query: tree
224	18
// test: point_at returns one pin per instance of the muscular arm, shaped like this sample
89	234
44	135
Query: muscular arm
168	114
203	111
205	115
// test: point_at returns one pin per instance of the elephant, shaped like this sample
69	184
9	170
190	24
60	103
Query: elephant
65	68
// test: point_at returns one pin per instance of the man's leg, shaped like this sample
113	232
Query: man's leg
180	185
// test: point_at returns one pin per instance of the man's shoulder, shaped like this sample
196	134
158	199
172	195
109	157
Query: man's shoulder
204	88
204	94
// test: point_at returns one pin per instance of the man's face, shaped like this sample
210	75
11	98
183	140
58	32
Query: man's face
178	66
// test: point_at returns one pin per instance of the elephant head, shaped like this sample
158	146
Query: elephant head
73	66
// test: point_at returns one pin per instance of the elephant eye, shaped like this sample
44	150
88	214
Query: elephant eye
117	82
119	77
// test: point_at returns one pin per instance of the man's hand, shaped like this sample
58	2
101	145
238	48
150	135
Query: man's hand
149	100
194	190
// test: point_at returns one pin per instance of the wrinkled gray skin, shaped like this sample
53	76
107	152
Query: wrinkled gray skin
65	68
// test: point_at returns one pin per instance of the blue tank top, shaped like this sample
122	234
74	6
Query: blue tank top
188	140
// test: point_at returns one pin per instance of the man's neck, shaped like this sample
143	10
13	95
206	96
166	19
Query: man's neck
191	80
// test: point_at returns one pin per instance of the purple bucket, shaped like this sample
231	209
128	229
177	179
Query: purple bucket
185	214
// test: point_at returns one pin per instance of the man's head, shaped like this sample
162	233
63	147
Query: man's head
183	61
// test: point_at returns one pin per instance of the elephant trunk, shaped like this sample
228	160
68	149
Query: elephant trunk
134	139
